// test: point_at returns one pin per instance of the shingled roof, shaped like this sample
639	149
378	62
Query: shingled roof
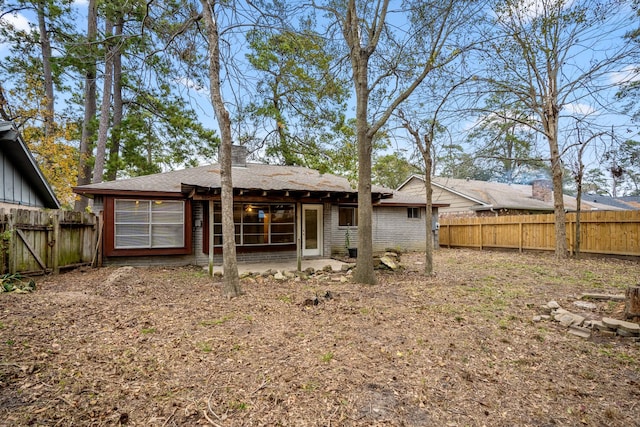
252	177
497	195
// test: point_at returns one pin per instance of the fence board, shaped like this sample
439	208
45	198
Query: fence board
44	241
601	232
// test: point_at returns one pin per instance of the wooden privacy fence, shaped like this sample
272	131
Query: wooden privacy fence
37	242
601	232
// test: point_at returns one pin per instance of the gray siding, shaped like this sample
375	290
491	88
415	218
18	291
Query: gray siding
392	229
15	189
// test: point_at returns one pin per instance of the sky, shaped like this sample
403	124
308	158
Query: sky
200	99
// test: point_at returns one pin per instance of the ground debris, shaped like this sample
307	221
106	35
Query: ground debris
162	347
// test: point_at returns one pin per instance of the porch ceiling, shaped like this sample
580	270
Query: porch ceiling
197	192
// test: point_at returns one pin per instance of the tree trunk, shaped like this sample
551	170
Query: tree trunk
428	216
632	302
231	280
103	128
558	201
114	147
84	168
45	45
359	56
550	116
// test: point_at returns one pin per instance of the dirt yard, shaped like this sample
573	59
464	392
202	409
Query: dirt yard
163	348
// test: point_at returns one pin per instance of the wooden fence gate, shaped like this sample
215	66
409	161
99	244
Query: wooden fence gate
38	242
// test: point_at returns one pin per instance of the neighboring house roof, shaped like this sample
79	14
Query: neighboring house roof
252	179
621	202
15	151
403	199
633	201
487	195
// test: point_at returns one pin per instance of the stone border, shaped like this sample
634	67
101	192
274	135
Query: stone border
579	326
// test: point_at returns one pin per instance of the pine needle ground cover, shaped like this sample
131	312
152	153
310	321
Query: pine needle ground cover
459	349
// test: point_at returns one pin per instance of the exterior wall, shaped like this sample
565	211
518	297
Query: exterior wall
14	189
337	234
415	187
328	214
392	229
456	203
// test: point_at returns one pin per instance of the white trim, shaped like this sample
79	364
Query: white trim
317	251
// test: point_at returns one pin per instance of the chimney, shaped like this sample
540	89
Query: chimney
541	190
238	156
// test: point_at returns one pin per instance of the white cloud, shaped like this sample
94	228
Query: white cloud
528	10
17	21
192	85
626	75
581	109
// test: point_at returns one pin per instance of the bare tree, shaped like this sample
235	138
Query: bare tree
553	55
387	63
231	282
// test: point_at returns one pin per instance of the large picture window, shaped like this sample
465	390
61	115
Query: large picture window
148	224
258	224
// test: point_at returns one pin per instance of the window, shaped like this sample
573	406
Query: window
413	212
347	216
148	224
258	224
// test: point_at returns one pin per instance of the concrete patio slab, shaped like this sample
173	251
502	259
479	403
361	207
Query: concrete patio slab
260	267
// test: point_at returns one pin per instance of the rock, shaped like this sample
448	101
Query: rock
343	279
279	276
624	333
545	309
289	274
245	275
632	328
610	323
579	331
310	271
545	317
391	255
537	318
553	305
347	267
585	304
390	263
602	297
327	268
569	319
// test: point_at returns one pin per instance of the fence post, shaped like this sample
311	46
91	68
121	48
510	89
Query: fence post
520	236
55	243
480	236
13	243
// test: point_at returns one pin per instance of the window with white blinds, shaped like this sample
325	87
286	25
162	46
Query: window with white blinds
149	224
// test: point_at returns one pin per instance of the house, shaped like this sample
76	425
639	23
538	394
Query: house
467	197
279	211
22	184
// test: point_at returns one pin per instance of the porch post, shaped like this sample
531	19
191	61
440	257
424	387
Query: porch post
299	235
211	229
